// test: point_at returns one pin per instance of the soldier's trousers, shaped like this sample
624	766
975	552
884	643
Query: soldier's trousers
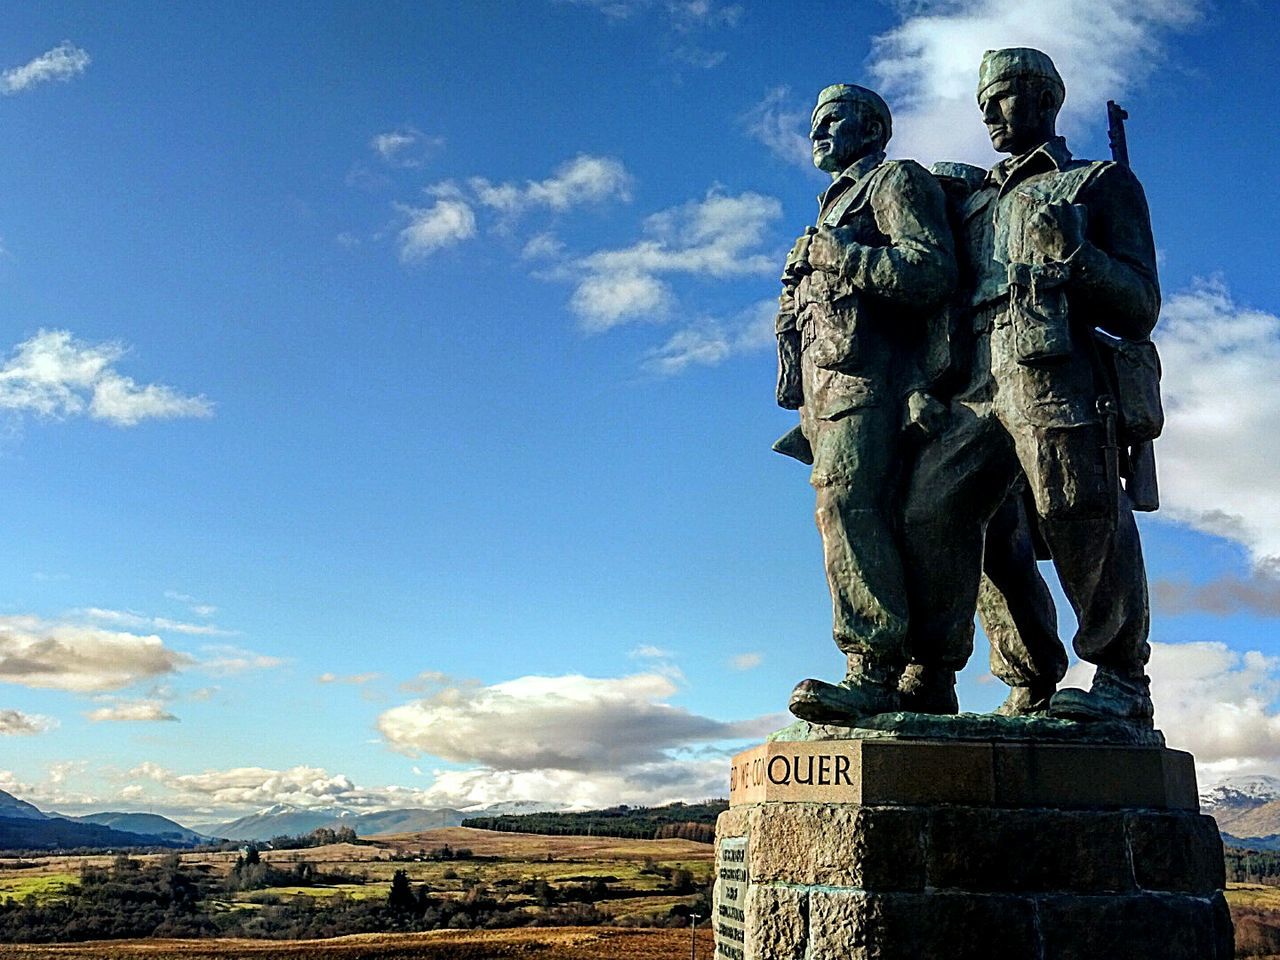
854	459
960	481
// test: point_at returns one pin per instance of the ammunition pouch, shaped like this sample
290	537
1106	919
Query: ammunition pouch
829	333
1038	311
1131	371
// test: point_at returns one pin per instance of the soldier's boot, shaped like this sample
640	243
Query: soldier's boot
1026	701
928	689
869	688
1113	696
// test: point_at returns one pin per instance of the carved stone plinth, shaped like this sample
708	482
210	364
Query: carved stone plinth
909	850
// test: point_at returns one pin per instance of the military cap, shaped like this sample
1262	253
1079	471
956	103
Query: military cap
852	93
1017	62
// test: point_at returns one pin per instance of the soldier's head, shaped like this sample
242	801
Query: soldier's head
848	123
1019	93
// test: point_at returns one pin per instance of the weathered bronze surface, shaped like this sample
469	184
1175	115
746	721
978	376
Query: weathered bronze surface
969	354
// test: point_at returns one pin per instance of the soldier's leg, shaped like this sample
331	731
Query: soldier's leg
1094	541
956	484
854	461
1017	613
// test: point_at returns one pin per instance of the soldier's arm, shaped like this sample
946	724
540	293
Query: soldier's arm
918	266
1113	273
790	386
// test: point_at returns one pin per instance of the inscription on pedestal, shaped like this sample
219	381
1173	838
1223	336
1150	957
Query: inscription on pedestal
731	898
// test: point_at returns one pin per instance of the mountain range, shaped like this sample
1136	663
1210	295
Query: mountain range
25	826
1247	810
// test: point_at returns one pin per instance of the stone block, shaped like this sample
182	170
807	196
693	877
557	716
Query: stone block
778	919
1138	927
1176	852
975	849
924	774
907	926
838	845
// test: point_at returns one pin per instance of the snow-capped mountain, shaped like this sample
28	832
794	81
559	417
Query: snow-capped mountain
1246	808
1236	791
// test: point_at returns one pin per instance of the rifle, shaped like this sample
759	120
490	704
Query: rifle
1140	482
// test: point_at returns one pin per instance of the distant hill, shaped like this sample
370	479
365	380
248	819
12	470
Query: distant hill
286	820
15	809
151	824
55	833
1246	808
686	821
1252	843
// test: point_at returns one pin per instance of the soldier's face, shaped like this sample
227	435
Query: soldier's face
840	136
1015	116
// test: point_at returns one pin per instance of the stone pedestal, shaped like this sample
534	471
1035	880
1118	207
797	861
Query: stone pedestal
926	850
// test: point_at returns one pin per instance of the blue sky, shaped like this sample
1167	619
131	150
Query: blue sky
387	389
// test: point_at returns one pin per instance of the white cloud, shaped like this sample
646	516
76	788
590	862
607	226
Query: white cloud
224	660
355	679
54	375
641	785
17	723
572	723
542	246
1215	702
138	711
582	180
1217	467
716	237
781	123
711	342
128	618
927	66
63	62
746	661
65	656
404	146
648	651
445	223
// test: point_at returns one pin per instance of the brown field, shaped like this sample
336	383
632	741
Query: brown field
563	943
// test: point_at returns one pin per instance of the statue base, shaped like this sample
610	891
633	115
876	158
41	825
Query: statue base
895	849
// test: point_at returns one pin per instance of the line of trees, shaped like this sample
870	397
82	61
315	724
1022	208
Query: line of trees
686	821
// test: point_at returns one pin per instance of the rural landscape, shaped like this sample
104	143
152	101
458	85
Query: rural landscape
623	883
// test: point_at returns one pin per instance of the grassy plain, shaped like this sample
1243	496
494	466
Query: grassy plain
562	943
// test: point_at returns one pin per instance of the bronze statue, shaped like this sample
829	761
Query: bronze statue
856	293
1052	249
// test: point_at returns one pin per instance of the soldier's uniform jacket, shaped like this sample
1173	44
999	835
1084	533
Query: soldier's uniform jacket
1044	312
860	325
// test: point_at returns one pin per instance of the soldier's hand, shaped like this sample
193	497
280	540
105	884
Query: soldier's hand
827	249
1057	229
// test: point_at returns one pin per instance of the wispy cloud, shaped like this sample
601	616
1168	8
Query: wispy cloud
781	122
927	66
452	217
710	342
226	660
54	375
132	711
719	236
405	146
445	223
355	679
1258	594
1217	470
15	723
79	658
128	618
583	180
63	62
746	661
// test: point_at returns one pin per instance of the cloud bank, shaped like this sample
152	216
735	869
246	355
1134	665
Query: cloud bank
80	658
1217	467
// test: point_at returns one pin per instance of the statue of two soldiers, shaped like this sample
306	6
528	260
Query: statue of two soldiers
939	333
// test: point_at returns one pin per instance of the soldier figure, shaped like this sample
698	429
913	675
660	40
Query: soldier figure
857	291
1052	248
